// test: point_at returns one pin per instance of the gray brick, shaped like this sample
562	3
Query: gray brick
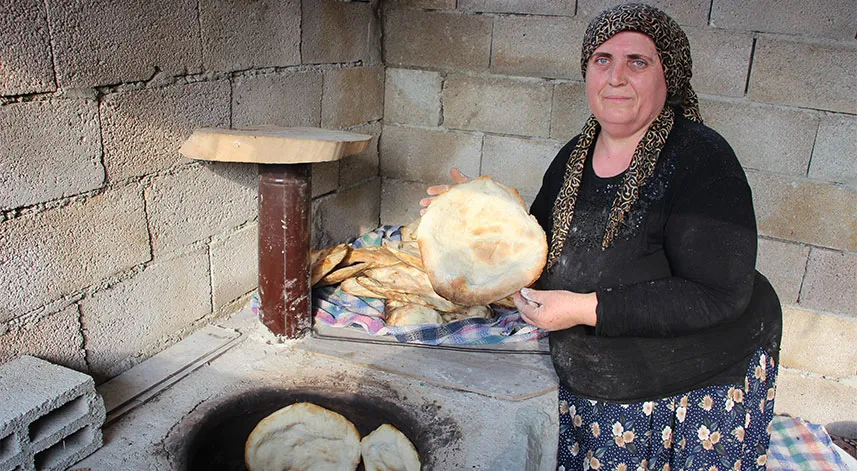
325	177
130	320
831	282
400	201
437	39
288	99
412	97
143	130
428	4
509	106
537	46
336	31
234	265
543	7
819	343
72	247
685	12
817	400
569	111
519	163
196	203
108	42
240	35
810	75
56	338
721	60
804	211
48	150
25	48
427	155
783	264
831	18
834	156
53	413
764	137
352	96
346	214
362	166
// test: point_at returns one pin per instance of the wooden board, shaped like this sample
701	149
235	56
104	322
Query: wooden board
273	145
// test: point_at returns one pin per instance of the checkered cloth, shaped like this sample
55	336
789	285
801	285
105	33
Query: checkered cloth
800	446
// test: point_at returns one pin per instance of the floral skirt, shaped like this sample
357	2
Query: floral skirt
716	428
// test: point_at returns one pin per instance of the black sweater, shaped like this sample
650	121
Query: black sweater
680	305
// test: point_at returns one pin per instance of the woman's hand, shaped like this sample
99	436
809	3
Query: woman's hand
435	190
556	310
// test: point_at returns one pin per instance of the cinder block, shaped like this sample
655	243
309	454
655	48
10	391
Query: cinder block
51	416
336	31
289	99
358	167
412	97
102	43
721	60
57	338
437	39
346	214
831	282
834	156
234	265
143	130
831	18
784	264
541	7
48	150
519	163
243	35
62	250
325	178
509	106
198	202
25	48
131	320
426	155
819	343
352	96
684	12
569	111
790	73
804	211
764	137
427	4
400	201
537	46
818	400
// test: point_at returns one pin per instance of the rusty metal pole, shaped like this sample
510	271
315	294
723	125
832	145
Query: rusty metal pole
284	240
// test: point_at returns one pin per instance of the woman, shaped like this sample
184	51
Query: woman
664	337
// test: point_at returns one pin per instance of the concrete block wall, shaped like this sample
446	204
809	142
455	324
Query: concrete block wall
494	87
112	245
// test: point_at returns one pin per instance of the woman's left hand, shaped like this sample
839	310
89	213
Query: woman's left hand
556	310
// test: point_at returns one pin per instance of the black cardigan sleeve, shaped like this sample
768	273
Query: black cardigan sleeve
710	242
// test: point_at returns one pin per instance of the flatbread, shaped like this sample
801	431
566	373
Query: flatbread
388	449
479	245
325	260
399	314
303	437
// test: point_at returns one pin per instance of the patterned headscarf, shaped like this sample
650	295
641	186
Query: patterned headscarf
674	52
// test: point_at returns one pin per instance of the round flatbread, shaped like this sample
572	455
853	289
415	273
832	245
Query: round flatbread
478	243
303	437
388	449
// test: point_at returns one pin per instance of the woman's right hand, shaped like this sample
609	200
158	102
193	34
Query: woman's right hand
435	190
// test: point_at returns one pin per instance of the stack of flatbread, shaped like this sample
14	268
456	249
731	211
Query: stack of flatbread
475	246
308	437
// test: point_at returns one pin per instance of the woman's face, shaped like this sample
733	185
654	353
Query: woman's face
625	83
